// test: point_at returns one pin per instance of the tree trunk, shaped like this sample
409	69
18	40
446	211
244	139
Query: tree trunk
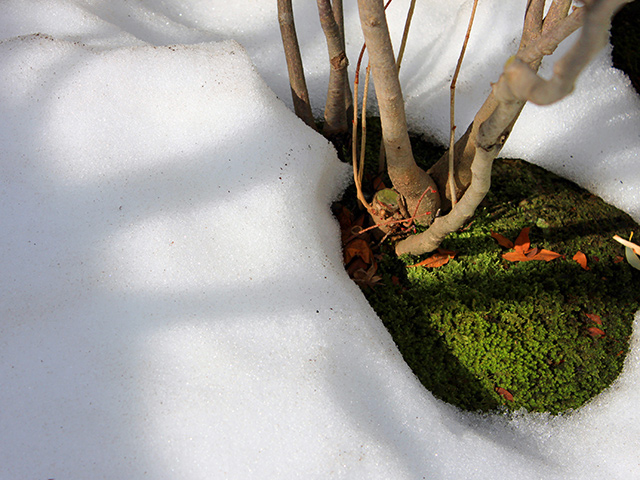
408	179
335	112
299	92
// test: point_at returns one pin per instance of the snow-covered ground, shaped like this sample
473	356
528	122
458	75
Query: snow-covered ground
172	298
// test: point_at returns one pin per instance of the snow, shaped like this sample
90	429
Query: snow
173	303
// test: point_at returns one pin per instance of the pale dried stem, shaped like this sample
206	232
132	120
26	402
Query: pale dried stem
405	32
452	115
357	169
299	92
363	139
403	44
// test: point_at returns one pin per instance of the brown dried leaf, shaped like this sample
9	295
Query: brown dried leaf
358	248
367	278
531	253
356	264
502	240
506	394
378	183
581	258
345	219
515	257
438	259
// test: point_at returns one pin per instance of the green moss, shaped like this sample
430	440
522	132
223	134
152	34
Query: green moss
480	323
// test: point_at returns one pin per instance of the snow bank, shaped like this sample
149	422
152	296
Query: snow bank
173	304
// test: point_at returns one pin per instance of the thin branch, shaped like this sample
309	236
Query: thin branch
405	33
451	182
551	37
363	138
357	169
532	53
299	92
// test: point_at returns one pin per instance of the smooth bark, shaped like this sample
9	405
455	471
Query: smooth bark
407	178
299	92
335	112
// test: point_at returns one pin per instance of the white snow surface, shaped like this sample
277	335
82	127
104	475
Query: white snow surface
172	300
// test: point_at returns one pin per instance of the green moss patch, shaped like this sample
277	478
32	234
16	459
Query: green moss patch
480	332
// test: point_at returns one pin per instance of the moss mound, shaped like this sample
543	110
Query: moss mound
484	333
480	331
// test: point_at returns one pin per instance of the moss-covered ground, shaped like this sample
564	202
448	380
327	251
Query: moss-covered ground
480	325
484	333
480	331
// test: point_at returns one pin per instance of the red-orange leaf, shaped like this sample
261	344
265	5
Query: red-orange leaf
507	396
519	256
522	243
546	255
438	259
595	332
515	257
594	318
502	240
581	258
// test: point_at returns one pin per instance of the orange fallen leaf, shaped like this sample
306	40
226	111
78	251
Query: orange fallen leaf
518	256
438	259
618	259
595	332
547	255
502	240
522	248
594	318
507	396
581	258
522	243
